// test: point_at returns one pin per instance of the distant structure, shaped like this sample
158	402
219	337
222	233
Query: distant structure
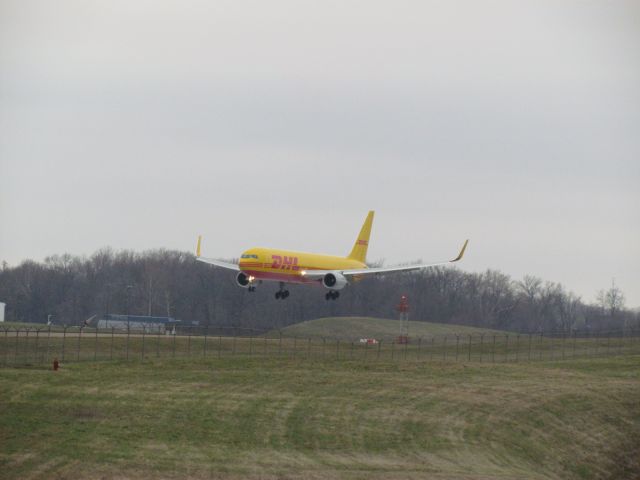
135	322
2	305
403	310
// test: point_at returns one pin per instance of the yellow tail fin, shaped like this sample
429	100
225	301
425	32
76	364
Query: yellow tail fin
359	251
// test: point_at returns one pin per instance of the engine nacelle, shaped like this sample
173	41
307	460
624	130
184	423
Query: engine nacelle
334	281
242	280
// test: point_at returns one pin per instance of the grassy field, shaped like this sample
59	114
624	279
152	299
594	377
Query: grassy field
262	417
353	328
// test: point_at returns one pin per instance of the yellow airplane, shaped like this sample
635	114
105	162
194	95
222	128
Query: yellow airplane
284	266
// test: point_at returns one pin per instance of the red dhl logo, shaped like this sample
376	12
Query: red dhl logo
362	242
285	263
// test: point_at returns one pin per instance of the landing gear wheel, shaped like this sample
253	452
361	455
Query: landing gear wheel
331	295
285	294
278	295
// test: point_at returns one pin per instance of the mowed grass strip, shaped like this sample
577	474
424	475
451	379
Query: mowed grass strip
293	418
353	328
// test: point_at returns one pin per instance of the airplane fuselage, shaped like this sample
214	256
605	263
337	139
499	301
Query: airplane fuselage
289	266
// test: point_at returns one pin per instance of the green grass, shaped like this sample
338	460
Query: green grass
354	328
284	417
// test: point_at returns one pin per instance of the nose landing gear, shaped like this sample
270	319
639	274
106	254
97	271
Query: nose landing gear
331	295
282	293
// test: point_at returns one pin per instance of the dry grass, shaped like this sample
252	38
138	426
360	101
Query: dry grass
265	418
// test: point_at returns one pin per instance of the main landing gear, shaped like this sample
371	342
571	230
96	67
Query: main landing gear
282	293
251	288
331	295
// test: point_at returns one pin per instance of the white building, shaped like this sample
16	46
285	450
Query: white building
2	312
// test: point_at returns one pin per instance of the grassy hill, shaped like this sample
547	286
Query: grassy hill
369	327
270	418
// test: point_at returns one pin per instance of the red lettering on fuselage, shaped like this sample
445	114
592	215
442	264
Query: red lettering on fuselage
290	263
285	263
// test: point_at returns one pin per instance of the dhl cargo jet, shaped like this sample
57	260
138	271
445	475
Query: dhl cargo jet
334	273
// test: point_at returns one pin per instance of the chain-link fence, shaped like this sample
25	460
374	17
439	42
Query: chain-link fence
29	346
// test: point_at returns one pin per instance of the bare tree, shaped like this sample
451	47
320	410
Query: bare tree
611	301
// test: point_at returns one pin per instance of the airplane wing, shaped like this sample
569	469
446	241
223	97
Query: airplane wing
361	272
211	261
219	263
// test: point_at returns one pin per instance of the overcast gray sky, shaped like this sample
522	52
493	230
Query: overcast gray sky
140	124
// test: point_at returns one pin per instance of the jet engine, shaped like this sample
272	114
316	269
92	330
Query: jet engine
242	280
334	281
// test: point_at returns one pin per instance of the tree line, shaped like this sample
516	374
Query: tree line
169	283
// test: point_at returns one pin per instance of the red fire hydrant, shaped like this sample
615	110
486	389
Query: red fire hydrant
56	364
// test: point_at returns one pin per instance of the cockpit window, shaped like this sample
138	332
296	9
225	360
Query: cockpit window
249	256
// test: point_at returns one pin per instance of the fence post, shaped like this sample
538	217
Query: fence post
517	347
111	351
15	351
351	353
444	349
26	346
36	349
493	350
6	345
419	345
64	338
189	343
379	346
506	348
432	345
204	347
280	344
95	345
469	356
540	345
529	355
564	343
219	346
457	345
621	342
608	341
78	347
173	347
128	337
158	343
144	330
